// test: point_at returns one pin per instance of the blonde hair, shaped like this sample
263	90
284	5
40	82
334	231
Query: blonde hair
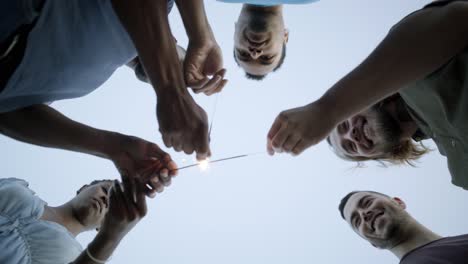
405	153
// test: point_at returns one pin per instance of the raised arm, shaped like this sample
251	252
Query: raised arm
204	57
124	213
44	126
182	123
418	45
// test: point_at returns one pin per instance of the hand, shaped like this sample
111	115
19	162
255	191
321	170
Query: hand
203	59
140	160
124	212
297	129
183	124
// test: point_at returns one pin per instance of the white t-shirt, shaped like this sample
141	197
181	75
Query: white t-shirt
24	238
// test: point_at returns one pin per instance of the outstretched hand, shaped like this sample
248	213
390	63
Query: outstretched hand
297	129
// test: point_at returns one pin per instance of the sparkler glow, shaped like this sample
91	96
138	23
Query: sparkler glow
204	164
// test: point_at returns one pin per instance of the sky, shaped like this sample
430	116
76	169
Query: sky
258	209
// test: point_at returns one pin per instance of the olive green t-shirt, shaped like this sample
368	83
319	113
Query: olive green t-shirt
439	105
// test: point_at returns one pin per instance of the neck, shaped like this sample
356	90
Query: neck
418	235
63	215
399	112
268	9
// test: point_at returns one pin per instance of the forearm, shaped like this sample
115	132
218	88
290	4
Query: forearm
44	126
416	47
195	20
147	23
100	248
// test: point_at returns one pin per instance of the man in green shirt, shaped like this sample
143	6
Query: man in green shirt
424	58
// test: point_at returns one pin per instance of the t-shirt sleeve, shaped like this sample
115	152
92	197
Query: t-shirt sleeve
17	200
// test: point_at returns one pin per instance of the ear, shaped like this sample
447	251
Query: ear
286	35
400	202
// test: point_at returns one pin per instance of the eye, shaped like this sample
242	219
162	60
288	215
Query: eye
358	222
352	147
105	189
242	53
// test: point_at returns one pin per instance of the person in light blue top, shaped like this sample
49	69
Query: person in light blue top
32	232
260	36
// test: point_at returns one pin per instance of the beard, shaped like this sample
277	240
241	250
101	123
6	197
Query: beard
395	232
386	127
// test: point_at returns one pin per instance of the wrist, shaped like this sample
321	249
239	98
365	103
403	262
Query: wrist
108	237
111	144
329	105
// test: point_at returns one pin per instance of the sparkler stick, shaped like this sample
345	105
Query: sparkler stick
223	159
213	114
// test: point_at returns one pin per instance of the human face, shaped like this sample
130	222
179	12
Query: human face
258	40
377	218
370	134
91	204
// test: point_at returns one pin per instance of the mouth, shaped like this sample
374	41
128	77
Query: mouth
256	39
366	133
375	218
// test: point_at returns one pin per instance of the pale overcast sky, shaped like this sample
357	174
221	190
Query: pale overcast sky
257	209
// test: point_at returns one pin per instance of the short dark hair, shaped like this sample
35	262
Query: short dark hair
91	184
345	199
261	77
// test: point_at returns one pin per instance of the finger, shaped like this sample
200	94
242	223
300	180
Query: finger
193	76
210	85
167	141
221	85
150	185
290	143
188	148
203	149
177	143
270	149
300	147
170	165
280	138
277	124
128	202
128	179
214	83
141	203
118	197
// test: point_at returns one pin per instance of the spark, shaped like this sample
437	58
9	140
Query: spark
204	164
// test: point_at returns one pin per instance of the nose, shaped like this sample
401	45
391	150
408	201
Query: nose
355	134
367	215
255	53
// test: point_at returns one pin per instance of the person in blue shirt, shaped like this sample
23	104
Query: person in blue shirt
260	36
55	50
31	231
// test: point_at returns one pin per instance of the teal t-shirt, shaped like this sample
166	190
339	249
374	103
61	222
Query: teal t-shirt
270	2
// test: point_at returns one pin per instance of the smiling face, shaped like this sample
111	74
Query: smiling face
91	203
259	40
371	134
379	219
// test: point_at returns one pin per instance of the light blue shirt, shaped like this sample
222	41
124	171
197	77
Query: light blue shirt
270	2
75	46
24	238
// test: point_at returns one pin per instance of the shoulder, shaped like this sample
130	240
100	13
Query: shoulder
16	199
